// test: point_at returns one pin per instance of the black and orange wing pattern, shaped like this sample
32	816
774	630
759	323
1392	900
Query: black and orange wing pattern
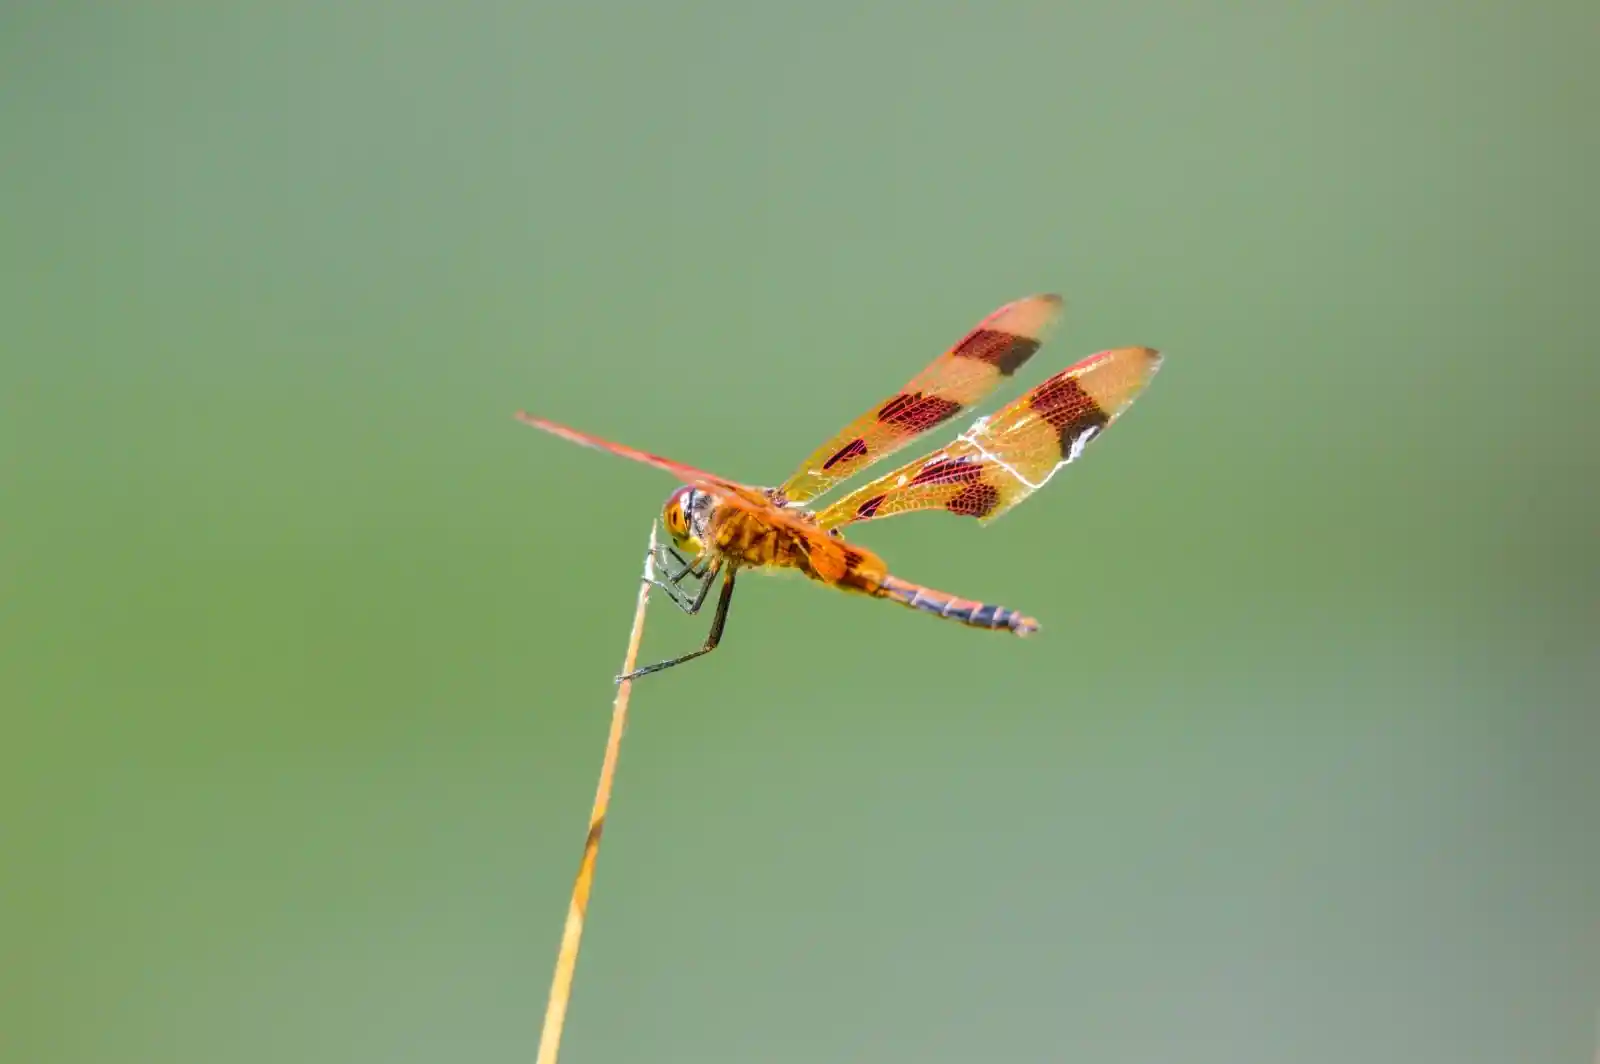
1004	458
957	379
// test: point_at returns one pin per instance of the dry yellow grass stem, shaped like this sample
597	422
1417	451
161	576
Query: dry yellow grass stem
555	1015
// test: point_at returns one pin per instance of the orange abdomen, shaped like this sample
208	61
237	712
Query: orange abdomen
747	541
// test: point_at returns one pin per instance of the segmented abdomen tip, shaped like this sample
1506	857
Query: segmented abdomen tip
1024	625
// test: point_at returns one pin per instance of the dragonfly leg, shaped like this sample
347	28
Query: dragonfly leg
697	567
712	638
702	569
680	597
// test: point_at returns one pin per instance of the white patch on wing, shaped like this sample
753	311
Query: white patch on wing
1073	451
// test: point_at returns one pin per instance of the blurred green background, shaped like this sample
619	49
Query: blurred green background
307	646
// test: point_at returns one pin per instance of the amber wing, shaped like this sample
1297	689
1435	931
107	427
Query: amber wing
687	473
1004	458
747	498
957	379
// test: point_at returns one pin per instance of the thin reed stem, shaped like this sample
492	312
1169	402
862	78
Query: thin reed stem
555	1016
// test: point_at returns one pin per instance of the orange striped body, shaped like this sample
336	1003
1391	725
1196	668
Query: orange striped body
746	539
749	540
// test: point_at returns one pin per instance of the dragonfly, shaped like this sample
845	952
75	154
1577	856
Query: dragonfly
719	527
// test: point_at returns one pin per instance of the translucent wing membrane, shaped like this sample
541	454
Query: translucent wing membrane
957	379
741	496
1004	458
686	473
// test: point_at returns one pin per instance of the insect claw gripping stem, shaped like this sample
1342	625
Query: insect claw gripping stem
660	558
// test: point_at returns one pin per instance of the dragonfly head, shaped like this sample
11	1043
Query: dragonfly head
686	517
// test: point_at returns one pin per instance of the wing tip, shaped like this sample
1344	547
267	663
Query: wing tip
555	428
1029	317
1148	357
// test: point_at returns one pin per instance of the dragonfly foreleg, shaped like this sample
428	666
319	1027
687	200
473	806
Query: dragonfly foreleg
689	600
718	621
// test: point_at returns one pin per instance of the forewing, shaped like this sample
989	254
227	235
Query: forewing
743	496
688	474
957	379
1004	458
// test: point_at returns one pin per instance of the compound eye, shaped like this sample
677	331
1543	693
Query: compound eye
675	520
